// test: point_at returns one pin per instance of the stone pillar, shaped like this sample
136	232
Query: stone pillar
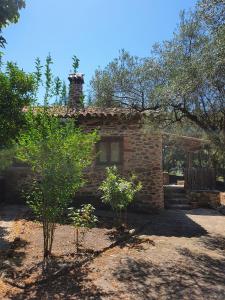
166	178
76	91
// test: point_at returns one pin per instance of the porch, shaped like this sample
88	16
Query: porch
195	186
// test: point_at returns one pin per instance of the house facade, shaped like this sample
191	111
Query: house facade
124	142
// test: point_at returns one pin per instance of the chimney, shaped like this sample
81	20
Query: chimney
76	91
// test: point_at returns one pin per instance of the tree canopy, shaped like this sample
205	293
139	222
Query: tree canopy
16	91
9	13
184	77
193	67
58	153
126	81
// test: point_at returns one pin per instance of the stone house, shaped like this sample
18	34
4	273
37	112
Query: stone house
124	142
127	143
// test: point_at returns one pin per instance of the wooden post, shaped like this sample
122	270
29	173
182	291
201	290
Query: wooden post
189	159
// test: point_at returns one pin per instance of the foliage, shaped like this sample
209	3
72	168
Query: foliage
9	13
57	89
6	158
183	80
75	63
82	218
63	94
184	77
58	153
173	159
126	81
117	191
54	87
193	63
16	92
48	79
37	75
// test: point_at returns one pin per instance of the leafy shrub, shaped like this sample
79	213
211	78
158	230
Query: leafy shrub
82	218
58	153
117	191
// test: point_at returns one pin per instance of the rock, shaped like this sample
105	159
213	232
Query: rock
145	239
17	240
6	263
131	231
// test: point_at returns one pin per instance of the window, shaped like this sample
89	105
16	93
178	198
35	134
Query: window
109	151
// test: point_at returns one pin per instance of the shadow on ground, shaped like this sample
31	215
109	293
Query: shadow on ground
199	276
214	243
173	223
168	223
73	283
195	276
12	257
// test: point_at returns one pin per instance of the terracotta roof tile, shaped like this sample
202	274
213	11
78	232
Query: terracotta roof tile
91	111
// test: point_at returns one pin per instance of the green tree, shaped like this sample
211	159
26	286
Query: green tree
75	63
37	75
117	191
9	13
57	89
58	153
192	64
63	95
127	81
16	92
184	77
48	80
82	218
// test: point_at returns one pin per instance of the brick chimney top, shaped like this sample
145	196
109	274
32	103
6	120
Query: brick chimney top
76	90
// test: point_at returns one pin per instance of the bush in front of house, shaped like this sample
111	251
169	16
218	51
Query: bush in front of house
82	218
57	153
118	192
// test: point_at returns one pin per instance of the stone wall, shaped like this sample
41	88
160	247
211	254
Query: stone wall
142	155
14	178
212	199
166	178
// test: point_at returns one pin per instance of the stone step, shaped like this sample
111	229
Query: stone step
177	201
174	192
175	196
174	189
179	206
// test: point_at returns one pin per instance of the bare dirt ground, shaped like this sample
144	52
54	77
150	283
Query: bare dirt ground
177	255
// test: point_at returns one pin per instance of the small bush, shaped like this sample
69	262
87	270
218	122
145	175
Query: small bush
82	218
117	191
58	153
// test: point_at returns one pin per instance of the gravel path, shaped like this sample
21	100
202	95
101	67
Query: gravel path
8	214
185	260
178	255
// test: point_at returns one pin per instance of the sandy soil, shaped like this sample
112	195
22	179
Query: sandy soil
177	255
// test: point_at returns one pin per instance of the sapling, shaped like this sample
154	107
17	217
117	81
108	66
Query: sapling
57	153
118	191
82	218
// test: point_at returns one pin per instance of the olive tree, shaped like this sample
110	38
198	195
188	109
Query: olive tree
9	13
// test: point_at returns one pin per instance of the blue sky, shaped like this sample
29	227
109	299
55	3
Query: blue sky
94	30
